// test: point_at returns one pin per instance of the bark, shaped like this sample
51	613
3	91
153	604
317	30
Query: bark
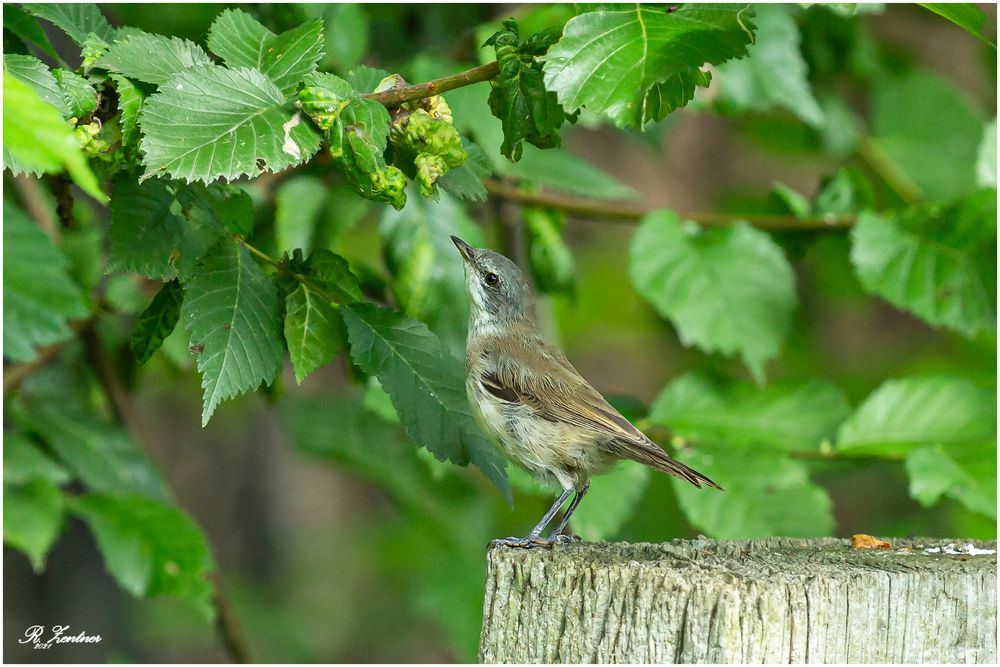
778	600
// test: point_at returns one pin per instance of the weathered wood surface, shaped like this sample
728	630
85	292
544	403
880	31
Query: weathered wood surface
772	601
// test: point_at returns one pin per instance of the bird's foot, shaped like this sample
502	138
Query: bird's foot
528	542
534	541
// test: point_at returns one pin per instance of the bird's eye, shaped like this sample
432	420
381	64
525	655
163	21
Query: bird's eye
492	279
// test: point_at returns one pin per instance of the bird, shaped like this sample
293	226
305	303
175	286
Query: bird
534	404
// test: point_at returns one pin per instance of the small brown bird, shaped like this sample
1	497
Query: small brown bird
537	407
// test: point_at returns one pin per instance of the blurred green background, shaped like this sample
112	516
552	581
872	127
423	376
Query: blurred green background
341	542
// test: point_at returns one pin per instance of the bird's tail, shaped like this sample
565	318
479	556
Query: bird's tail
649	453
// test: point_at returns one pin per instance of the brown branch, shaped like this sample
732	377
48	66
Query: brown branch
15	374
31	197
632	213
396	96
226	624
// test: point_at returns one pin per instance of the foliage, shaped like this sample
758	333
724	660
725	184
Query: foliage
269	194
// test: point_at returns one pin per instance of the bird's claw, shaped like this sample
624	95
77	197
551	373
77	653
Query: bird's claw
532	541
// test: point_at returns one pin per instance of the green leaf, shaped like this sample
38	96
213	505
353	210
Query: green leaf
23	25
549	258
527	111
331	273
237	123
34	72
32	518
298	204
466	182
75	19
24	462
563	171
426	386
152	58
928	130
934	262
966	15
766	494
728	289
346	35
845	192
102	455
610	502
336	427
609	61
157	321
986	162
242	41
39	295
36	137
150	548
674	93
773	74
149	233
966	473
429	275
225	206
908	414
130	100
313	331
79	96
788	415
234	318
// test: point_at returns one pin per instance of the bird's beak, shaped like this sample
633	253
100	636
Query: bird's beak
467	250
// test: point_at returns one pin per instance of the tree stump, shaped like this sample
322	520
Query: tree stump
776	600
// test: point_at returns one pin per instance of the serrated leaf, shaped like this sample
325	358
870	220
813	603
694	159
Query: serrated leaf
39	296
234	317
673	93
906	414
100	454
728	289
313	331
773	74
609	60
766	494
331	273
79	96
610	502
130	100
149	232
986	162
788	415
36	137
150	548
242	41
365	79
929	131
75	19
527	111
237	123
23	25
32	518
225	206
934	262
24	461
298	203
36	74
152	58
426	386
157	321
966	473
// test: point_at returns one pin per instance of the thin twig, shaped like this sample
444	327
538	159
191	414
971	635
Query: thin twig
632	213
31	196
396	96
109	376
897	179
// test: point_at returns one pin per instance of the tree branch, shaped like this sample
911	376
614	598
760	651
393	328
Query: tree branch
632	213
396	96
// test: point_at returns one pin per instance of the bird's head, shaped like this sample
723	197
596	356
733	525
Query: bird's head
499	294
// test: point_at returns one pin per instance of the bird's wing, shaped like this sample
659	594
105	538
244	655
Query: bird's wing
538	376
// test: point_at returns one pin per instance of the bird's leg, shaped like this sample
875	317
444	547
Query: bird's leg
558	532
534	536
